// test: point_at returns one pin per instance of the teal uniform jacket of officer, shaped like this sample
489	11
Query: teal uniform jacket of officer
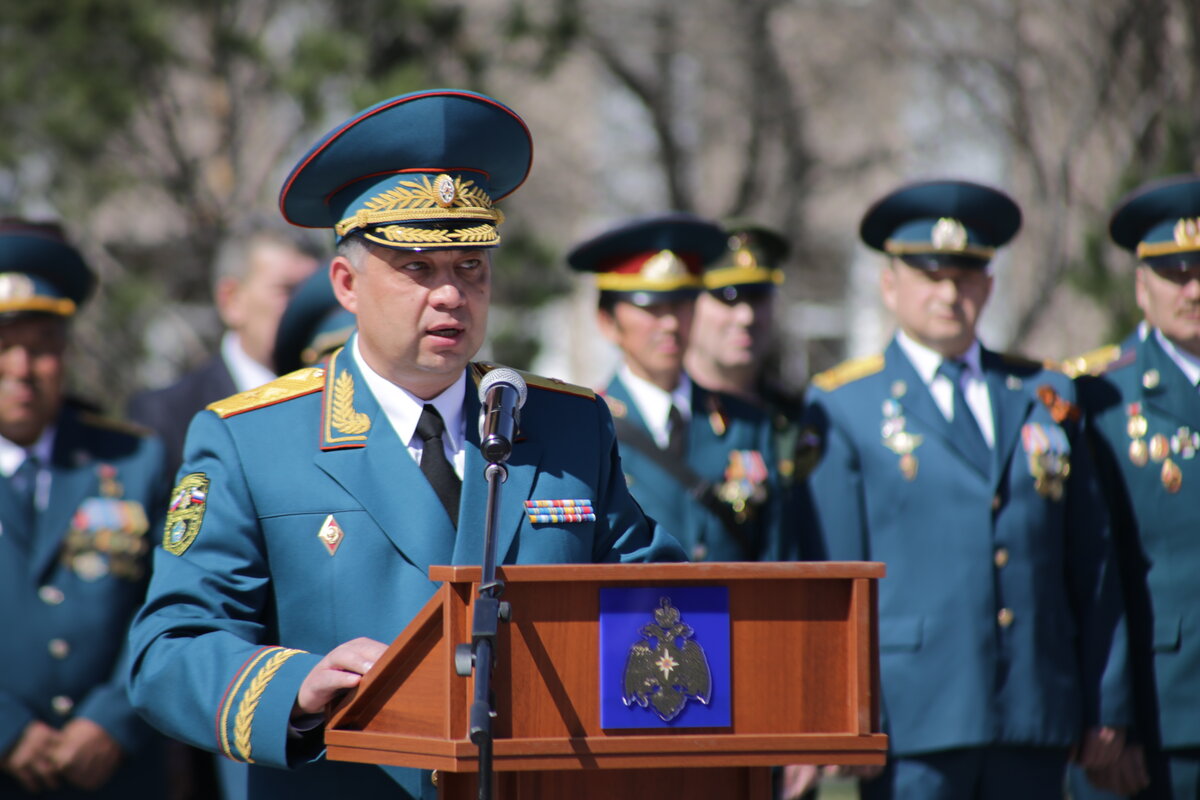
236	618
722	428
997	616
70	594
1151	482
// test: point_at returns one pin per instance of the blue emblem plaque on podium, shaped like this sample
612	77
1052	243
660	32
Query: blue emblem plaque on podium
664	657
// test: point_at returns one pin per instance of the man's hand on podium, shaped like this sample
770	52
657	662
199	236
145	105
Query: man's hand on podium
338	672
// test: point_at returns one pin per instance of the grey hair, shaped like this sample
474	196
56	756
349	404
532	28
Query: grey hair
235	253
354	250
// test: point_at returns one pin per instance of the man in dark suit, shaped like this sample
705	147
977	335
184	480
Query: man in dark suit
256	274
1144	412
309	511
966	472
78	496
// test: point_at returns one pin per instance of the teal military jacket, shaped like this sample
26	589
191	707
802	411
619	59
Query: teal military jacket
70	591
1145	420
300	522
734	508
1000	604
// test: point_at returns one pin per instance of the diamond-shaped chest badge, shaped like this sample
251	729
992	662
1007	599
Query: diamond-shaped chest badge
331	534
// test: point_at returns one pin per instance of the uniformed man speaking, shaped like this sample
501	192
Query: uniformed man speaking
310	510
964	470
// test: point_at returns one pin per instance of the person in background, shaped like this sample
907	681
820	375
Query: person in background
256	275
701	463
967	473
1143	407
78	495
733	335
309	511
312	327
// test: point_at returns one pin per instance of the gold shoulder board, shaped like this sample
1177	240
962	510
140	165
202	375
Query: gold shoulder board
294	384
481	368
94	420
1092	362
848	372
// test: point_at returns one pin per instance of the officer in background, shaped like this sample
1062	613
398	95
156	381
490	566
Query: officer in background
965	471
733	333
1143	406
256	274
78	494
309	511
312	327
701	463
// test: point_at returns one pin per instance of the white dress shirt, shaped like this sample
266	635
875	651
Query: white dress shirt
12	455
403	409
926	362
655	405
1187	362
246	372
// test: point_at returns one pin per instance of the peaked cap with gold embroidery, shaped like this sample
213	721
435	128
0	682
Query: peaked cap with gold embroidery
418	171
753	261
1160	222
650	259
941	223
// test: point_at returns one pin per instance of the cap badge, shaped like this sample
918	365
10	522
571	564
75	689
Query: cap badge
743	258
664	265
949	234
1187	232
16	286
446	191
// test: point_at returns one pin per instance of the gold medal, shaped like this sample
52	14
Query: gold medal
1136	427
1138	453
1172	476
1150	378
1160	448
908	466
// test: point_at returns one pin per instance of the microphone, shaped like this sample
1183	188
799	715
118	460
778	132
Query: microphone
502	393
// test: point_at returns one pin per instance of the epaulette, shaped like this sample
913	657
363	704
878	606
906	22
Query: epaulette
481	368
294	384
848	372
94	420
1024	362
1092	362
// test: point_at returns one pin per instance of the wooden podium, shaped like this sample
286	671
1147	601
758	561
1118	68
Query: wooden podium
804	668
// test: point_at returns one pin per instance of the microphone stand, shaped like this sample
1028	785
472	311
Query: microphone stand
478	656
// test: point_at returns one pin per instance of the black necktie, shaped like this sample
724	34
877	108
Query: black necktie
437	468
24	483
676	432
964	426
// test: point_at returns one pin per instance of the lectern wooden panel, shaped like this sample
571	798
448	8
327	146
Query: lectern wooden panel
803	668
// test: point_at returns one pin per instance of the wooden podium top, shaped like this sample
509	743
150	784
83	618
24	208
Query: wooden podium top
804	673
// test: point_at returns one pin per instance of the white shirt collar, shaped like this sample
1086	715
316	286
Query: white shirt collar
403	408
1187	362
12	455
926	361
654	404
247	373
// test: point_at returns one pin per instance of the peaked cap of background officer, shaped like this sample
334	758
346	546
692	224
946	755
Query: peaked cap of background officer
312	326
419	171
941	223
39	271
651	259
752	263
1160	222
